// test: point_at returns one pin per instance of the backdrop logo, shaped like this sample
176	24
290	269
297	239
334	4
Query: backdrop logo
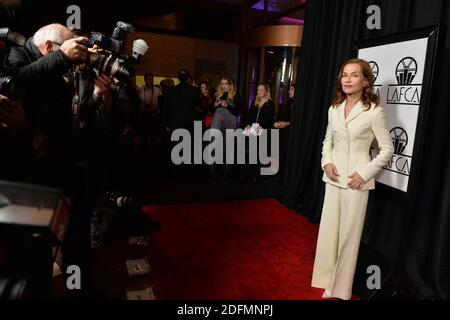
375	70
405	92
375	73
400	163
400	139
406	71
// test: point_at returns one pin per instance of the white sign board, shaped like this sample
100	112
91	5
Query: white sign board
398	69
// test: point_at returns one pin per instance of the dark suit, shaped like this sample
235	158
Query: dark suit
179	106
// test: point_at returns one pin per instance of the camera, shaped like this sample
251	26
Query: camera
7	87
114	43
11	38
111	62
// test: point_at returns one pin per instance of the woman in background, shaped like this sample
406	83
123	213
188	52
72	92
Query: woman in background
205	109
261	112
283	124
226	109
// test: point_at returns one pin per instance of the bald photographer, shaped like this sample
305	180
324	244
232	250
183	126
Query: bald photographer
65	108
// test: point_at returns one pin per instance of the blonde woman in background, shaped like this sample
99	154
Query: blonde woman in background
226	110
261	111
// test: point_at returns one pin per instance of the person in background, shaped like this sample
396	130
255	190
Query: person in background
150	113
226	110
261	111
205	112
180	104
165	84
179	113
283	124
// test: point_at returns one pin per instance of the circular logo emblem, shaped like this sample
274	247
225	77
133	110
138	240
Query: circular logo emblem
375	70
406	71
400	139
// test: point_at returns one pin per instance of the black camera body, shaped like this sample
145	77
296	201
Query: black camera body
7	87
113	43
11	39
111	62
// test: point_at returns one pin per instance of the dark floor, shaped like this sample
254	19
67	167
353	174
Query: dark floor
151	178
155	181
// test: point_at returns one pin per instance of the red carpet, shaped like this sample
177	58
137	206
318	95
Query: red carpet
248	250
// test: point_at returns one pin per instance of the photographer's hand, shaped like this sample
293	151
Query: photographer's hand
75	50
102	90
102	85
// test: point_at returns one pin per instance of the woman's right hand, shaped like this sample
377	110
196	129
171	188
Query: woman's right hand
331	172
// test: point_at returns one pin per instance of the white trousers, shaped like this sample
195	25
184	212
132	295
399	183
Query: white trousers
341	226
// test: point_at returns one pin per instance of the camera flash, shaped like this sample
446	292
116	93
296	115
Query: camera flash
140	47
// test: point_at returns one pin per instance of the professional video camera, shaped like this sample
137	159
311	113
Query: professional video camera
10	38
110	61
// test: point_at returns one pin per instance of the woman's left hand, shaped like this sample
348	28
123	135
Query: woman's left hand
224	103
356	182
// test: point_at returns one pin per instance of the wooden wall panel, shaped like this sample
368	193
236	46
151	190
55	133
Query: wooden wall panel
167	54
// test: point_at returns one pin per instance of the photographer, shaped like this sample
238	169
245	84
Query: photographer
63	141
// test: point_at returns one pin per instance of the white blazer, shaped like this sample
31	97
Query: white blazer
347	143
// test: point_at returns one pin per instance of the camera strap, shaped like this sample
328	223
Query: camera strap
79	86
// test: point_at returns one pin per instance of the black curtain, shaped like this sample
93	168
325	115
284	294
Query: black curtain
414	236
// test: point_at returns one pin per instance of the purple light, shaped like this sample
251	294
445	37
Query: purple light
260	5
287	20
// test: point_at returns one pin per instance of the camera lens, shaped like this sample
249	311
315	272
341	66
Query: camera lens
7	87
110	65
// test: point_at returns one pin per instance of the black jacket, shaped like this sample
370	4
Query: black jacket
265	117
179	106
45	94
234	105
285	113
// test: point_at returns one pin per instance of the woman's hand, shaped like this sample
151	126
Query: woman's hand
217	103
281	124
356	182
331	172
224	103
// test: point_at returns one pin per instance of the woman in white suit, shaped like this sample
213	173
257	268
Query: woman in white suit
355	119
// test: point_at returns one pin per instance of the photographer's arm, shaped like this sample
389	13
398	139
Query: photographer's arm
55	62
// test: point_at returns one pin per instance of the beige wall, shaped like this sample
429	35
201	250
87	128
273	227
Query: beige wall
273	36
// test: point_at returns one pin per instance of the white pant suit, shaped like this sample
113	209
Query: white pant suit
347	145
